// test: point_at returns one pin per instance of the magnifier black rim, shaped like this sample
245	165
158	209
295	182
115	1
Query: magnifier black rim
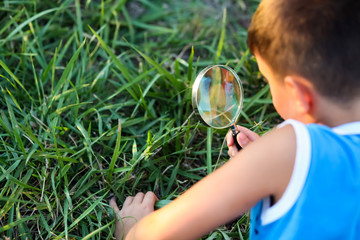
195	89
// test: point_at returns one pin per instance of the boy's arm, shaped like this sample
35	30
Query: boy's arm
263	168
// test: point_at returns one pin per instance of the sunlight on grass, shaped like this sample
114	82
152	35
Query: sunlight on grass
96	102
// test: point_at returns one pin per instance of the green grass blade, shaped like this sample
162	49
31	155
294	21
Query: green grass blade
23	229
209	150
162	203
65	76
31	135
28	21
38	84
88	211
3	65
129	24
17	222
113	57
255	98
190	70
14	122
117	152
177	85
98	230
14	100
11	21
78	19
172	178
225	235
222	37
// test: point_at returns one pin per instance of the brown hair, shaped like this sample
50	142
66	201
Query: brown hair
316	39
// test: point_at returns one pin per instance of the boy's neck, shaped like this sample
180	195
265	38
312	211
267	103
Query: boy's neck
334	114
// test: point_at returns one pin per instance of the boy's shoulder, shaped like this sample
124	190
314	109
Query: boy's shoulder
325	173
285	154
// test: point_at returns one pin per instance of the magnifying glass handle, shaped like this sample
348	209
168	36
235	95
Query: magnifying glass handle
234	133
236	142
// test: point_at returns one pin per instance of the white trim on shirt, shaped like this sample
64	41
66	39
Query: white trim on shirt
348	128
298	177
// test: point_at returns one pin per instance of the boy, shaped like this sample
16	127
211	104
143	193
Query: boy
301	180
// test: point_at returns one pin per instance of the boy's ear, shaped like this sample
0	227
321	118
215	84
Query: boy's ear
301	91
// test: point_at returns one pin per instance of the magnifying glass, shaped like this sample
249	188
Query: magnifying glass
217	96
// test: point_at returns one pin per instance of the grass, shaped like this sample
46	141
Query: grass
96	101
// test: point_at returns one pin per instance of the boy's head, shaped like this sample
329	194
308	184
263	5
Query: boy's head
316	39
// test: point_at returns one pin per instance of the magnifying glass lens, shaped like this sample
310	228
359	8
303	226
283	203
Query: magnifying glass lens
219	97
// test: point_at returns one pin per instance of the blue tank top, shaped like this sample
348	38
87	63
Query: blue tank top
322	199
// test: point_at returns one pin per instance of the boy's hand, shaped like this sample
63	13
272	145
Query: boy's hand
133	210
244	137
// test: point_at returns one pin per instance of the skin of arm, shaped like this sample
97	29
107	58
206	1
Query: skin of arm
262	169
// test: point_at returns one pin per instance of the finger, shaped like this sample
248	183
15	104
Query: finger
242	139
229	139
229	153
250	134
150	198
232	151
128	201
113	204
139	197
